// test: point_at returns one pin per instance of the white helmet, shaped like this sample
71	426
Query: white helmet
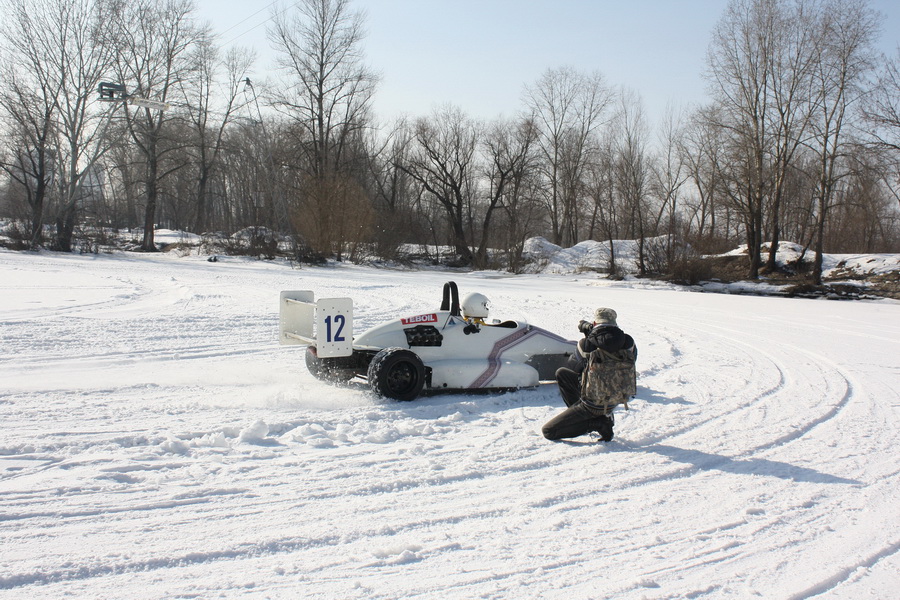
475	306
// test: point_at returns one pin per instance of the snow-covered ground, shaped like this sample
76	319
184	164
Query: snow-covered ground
156	442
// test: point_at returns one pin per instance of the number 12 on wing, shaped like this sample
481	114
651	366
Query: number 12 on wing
335	327
337	330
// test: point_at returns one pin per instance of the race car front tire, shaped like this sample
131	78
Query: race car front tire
397	373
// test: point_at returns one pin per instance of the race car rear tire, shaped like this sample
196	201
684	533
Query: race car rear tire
327	369
397	373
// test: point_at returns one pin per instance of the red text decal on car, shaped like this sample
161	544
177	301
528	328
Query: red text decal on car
432	318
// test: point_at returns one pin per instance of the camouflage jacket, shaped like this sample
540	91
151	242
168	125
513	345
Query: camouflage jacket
601	337
609	375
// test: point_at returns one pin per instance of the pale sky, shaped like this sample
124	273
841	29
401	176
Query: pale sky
479	54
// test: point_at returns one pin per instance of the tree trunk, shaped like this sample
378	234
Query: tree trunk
65	227
754	240
200	221
771	264
37	216
148	245
820	244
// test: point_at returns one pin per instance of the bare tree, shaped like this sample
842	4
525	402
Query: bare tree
669	175
247	177
444	162
339	215
393	191
602	193
883	107
793	61
702	149
631	170
153	41
56	43
326	93
30	105
568	107
327	90
29	116
211	107
740	61
865	219
844	59
882	112
509	148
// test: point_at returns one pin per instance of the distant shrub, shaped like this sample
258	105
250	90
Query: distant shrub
15	236
690	271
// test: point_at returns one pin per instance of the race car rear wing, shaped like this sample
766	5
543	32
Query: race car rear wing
326	323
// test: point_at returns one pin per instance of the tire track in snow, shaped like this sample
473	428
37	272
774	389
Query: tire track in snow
191	352
838	391
798	378
90	570
747	390
845	573
837	385
749	458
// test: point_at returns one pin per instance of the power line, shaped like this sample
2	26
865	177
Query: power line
243	21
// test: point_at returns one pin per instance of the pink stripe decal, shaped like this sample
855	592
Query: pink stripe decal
499	348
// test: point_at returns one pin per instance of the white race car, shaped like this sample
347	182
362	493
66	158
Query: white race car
453	348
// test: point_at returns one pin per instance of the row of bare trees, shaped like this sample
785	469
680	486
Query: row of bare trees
67	153
789	81
799	141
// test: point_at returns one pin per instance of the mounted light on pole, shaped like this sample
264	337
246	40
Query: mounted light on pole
116	92
112	92
148	103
